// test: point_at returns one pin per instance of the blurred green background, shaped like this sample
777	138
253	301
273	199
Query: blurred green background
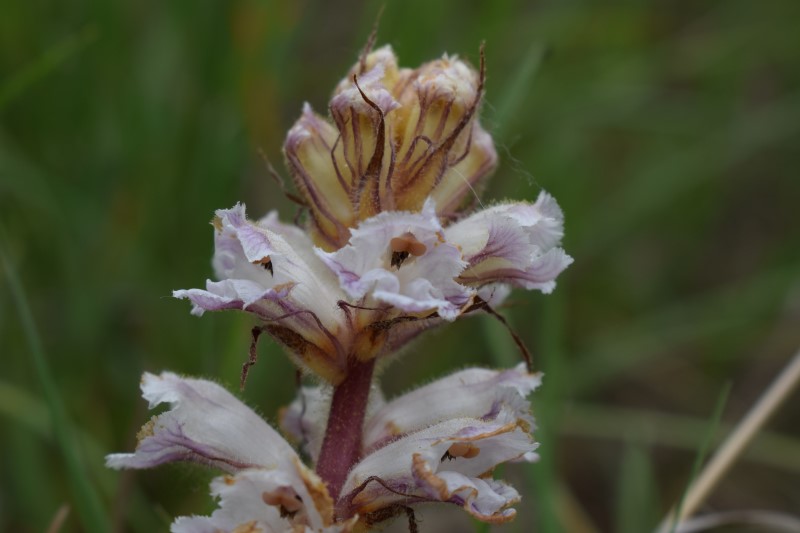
668	131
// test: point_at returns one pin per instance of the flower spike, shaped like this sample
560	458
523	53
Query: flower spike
411	453
389	250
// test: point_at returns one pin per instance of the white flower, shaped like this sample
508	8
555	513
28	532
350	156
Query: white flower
514	243
269	269
461	394
401	259
433	444
266	268
268	486
447	462
409	261
256	501
273	271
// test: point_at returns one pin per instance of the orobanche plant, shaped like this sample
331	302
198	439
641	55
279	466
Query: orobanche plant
392	247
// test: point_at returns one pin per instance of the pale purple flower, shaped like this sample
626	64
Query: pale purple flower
515	243
210	426
434	444
461	394
265	268
269	269
273	271
512	243
401	259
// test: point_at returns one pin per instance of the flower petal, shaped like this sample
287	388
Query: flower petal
304	420
319	179
423	282
485	499
258	500
258	257
475	392
513	243
494	294
348	96
232	294
445	462
383	58
206	424
460	182
270	269
364	151
242	506
442	150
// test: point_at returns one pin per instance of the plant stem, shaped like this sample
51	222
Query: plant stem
341	447
731	449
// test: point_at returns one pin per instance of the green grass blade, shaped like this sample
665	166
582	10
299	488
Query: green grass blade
702	451
87	502
50	60
16	404
636	490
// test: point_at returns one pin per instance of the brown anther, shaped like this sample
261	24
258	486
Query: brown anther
265	262
404	246
461	449
398	258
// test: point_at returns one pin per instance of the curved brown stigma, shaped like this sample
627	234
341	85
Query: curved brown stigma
461	449
404	246
265	262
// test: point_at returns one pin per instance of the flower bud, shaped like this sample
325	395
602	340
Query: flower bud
363	154
308	148
437	131
398	136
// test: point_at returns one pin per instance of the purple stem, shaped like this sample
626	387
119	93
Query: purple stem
341	447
